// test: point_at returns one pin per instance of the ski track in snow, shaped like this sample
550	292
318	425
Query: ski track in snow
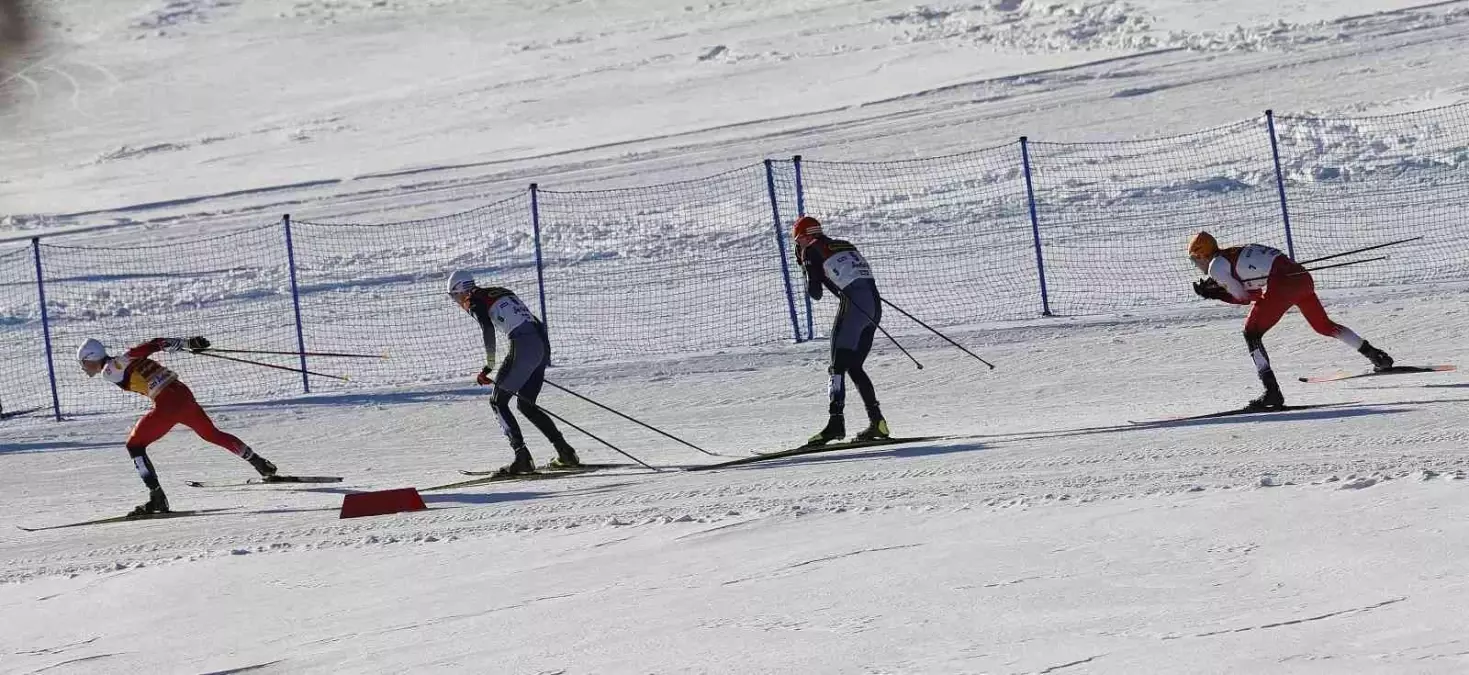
1056	462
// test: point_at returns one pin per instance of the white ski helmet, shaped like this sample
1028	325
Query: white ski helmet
92	350
461	282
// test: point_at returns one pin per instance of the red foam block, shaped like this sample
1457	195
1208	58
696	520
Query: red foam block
382	502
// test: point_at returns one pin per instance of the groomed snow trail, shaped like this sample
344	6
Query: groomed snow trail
1047	531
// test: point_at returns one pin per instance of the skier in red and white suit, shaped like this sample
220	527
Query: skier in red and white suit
173	404
1267	278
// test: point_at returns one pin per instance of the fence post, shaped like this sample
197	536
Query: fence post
780	245
46	327
1035	226
801	211
535	226
1290	244
296	302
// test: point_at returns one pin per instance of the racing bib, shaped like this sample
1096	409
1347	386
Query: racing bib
1253	265
508	313
142	376
845	267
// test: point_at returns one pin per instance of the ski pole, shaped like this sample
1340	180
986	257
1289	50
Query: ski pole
1323	267
323	354
270	365
885	332
1327	267
632	419
593	436
935	332
1360	250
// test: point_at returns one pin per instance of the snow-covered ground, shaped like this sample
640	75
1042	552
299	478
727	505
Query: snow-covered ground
1043	533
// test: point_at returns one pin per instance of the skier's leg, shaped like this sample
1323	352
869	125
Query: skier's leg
866	299
565	454
1263	316
858	357
157	500
148	430
508	380
1315	314
193	416
522	462
500	402
843	339
1272	398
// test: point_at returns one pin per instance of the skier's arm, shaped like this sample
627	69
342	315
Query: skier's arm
481	311
1220	270
154	346
811	263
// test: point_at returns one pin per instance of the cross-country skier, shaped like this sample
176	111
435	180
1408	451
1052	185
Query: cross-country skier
521	374
836	265
173	403
1274	283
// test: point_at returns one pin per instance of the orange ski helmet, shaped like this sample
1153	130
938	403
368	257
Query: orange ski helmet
806	228
1202	246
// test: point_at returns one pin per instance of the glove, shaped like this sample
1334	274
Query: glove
169	344
1209	288
484	377
197	343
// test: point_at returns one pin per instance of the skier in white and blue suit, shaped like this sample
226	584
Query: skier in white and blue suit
521	374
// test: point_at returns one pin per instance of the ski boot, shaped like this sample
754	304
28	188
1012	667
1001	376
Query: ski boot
262	465
565	458
835	429
876	431
1272	399
522	465
1380	359
157	503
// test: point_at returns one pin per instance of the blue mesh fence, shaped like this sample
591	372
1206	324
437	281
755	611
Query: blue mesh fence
380	289
949	238
682	267
697	266
25	389
1115	217
232	288
1356	182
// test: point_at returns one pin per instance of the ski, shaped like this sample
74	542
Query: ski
120	519
584	466
273	480
814	449
1395	370
1238	411
540	474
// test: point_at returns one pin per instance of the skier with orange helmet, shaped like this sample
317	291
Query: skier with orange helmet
1273	282
837	265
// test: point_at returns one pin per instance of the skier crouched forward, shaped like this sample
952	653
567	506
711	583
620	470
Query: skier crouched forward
1273	282
173	404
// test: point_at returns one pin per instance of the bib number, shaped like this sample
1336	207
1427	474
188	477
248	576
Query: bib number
508	313
846	267
153	375
1255	261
